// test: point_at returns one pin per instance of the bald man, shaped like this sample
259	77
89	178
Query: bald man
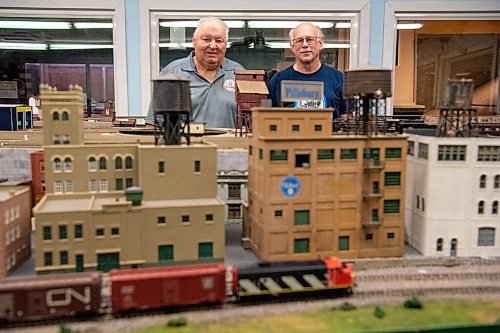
211	75
306	42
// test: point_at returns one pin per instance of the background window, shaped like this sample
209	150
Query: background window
165	252
343	243
205	250
301	217
301	245
486	237
391	206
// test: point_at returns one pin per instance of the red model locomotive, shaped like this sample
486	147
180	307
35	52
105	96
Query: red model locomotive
46	296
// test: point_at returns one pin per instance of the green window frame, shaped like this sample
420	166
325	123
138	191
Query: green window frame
393	152
326	154
349	154
78	231
165	252
392	178
391	206
63	257
47	259
119	184
47	232
103	163
301	245
129	162
301	217
278	155
129	182
343	243
205	250
118	163
63	232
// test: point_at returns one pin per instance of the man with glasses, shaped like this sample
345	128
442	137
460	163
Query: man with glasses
306	42
211	75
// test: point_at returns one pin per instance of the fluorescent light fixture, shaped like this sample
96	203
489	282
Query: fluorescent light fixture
285	24
79	46
278	45
171	45
286	45
23	46
336	46
409	26
93	25
194	24
34	25
343	25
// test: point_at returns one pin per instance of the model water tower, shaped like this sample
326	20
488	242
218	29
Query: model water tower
368	89
456	117
171	105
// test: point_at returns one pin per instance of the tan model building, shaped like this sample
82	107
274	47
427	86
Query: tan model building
313	194
86	221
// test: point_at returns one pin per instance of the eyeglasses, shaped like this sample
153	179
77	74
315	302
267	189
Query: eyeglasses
300	41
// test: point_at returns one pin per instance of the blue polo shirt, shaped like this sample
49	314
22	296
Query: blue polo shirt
213	104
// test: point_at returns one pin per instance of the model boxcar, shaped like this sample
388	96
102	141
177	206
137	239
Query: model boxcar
50	296
160	287
292	279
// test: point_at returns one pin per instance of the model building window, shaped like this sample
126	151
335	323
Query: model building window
205	250
68	164
47	258
496	182
66	139
278	155
56	139
451	153
129	182
318	128
301	217
197	166
410	149
494	208
69	188
119	184
273	128
423	204
63	232
261	153
368	236
165	252
57	164
392	152
295	128
234	211
65	115
326	154
47	232
93	185
63	257
486	237
103	163
92	164
234	191
129	162
301	245
161	167
79	259
278	213
209	217
115	231
392	179
390	235
423	149
302	160
99	232
78	231
348	154
439	245
488	153
482	181
343	243
55	116
185	218
118	163
161	220
103	185
250	150
391	206
480	207
58	186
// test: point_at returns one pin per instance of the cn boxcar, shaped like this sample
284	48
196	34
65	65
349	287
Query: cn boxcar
160	287
292	279
48	296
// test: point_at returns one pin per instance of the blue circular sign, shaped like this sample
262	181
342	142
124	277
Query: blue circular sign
290	186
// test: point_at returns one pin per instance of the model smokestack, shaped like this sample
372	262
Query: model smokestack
171	103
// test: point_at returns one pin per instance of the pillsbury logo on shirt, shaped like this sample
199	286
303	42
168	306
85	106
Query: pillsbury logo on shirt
230	85
290	186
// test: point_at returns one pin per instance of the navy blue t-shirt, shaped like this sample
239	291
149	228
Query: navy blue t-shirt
333	86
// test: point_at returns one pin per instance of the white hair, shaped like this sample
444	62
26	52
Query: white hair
319	33
214	19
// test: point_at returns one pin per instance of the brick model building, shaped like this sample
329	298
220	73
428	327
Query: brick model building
313	194
86	222
15	227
